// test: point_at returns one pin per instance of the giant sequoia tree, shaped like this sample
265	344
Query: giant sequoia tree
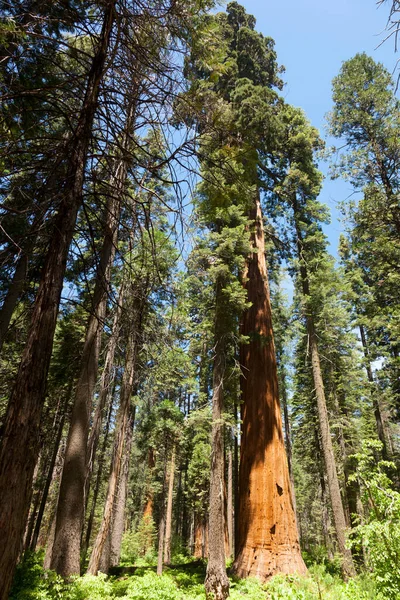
267	535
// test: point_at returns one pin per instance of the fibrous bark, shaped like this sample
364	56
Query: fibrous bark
118	524
104	393
216	582
100	466
381	426
267	534
49	478
168	522
161	523
20	444
13	293
229	508
71	507
123	422
323	420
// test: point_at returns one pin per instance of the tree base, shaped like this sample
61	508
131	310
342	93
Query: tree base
216	584
263	563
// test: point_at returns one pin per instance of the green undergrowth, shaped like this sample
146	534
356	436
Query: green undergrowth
182	581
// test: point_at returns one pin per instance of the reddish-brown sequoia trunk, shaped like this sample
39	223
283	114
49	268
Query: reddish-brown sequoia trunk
20	444
200	537
267	534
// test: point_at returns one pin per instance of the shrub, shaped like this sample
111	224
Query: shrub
379	534
31	582
139	543
90	587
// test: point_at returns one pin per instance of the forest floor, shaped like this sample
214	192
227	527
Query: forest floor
182	581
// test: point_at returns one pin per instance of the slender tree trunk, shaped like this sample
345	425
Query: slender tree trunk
328	454
380	425
161	525
148	508
36	485
198	537
69	524
288	444
118	525
104	394
86	541
18	281
49	478
324	427
47	537
20	444
267	533
168	522
192	536
119	442
205	538
13	294
326	520
216	581
230	503
71	502
235	480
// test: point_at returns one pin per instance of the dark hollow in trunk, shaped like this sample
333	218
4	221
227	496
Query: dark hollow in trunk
267	534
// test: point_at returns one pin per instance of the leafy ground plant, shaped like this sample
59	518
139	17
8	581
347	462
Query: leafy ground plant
182	582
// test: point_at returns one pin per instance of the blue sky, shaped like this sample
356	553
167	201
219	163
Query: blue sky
313	38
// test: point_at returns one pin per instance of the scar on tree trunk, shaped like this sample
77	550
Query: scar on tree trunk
267	534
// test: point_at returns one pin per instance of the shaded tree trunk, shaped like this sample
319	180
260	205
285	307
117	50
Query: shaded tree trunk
71	509
13	294
267	533
46	537
288	444
229	507
19	278
104	394
86	541
49	478
323	420
118	525
381	428
123	421
20	443
168	522
161	525
71	502
216	582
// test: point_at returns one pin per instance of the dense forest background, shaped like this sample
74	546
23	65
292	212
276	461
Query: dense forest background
196	396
